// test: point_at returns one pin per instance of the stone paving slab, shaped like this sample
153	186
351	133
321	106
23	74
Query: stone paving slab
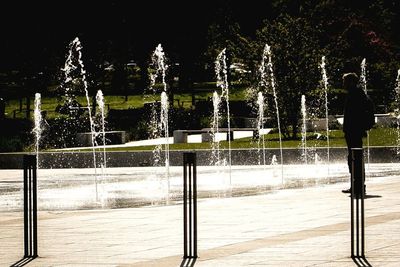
296	227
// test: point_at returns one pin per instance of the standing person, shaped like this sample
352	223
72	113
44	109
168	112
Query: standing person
357	116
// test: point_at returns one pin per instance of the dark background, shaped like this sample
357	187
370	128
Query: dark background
35	38
35	34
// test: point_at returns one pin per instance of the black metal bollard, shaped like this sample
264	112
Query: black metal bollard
30	207
357	197
189	206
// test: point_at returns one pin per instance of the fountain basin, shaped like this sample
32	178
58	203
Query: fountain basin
72	189
54	160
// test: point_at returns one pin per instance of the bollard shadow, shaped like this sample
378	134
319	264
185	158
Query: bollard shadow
22	262
372	196
369	196
361	261
188	262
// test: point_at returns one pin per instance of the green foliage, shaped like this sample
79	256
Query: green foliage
139	132
296	56
300	32
61	132
225	32
13	144
15	135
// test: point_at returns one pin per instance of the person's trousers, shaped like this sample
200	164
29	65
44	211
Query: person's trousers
352	141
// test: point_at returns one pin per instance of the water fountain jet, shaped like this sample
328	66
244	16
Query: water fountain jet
100	102
397	111
221	71
325	86
304	128
363	82
70	67
267	77
260	127
159	124
215	154
37	130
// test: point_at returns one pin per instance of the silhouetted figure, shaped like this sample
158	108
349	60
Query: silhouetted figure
357	115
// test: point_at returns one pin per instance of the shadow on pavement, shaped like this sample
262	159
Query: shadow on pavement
189	262
361	262
22	262
370	196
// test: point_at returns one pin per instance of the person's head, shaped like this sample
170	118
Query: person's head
350	80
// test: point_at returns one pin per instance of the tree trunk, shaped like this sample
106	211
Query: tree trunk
28	107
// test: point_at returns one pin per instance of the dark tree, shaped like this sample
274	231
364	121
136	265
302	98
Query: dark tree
296	56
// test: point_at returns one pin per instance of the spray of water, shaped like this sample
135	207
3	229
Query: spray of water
100	102
215	158
363	77
69	67
397	110
274	161
260	127
221	71
317	159
304	128
267	77
159	62
37	129
325	86
363	82
160	122
164	124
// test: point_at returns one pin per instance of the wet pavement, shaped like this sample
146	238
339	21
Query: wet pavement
289	227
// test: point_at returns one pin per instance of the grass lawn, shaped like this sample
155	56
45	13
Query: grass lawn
49	104
377	137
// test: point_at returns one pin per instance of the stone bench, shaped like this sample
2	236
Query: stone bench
385	120
180	136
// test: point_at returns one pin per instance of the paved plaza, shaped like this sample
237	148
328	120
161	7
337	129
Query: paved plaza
291	227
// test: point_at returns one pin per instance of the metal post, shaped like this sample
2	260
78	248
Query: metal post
195	207
357	196
34	208
185	224
189	206
26	238
30	207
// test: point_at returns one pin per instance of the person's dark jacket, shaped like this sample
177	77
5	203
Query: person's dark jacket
354	108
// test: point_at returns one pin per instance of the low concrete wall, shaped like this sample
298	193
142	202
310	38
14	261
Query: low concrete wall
145	158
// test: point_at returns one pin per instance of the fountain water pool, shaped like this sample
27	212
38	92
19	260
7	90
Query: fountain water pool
70	189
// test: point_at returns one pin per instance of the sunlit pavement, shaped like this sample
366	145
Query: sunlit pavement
291	227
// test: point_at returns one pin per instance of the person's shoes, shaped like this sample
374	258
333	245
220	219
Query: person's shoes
346	191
